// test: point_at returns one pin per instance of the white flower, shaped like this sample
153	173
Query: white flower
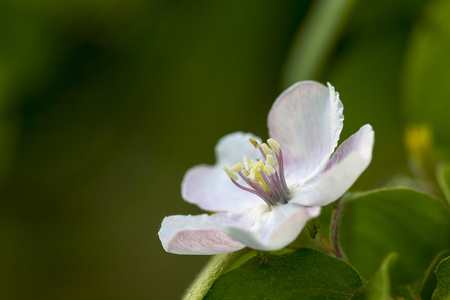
265	202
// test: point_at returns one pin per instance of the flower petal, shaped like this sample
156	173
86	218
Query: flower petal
231	148
198	234
210	188
260	228
272	229
350	160
306	120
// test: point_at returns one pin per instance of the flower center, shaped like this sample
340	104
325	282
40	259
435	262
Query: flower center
264	177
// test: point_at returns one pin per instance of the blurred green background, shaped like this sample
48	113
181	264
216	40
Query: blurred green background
105	104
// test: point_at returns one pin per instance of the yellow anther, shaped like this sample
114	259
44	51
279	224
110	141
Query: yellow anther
255	172
237	168
260	164
270	170
230	174
246	163
274	144
254	142
266	149
270	161
254	175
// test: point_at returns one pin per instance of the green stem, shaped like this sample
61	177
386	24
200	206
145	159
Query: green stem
315	39
207	276
334	231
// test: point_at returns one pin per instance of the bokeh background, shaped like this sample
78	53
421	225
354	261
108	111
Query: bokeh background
105	104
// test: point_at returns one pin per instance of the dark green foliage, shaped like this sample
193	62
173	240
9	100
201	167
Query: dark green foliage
303	274
426	85
414	225
443	280
379	285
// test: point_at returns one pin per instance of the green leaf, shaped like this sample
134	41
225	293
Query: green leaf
413	224
423	288
216	266
425	89
379	286
443	280
237	259
302	274
429	282
443	177
404	292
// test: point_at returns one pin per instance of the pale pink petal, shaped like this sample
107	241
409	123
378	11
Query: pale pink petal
198	234
272	228
306	120
231	148
210	188
351	159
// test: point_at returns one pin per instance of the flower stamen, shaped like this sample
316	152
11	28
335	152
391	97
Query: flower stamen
254	142
266	149
264	177
237	168
274	144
